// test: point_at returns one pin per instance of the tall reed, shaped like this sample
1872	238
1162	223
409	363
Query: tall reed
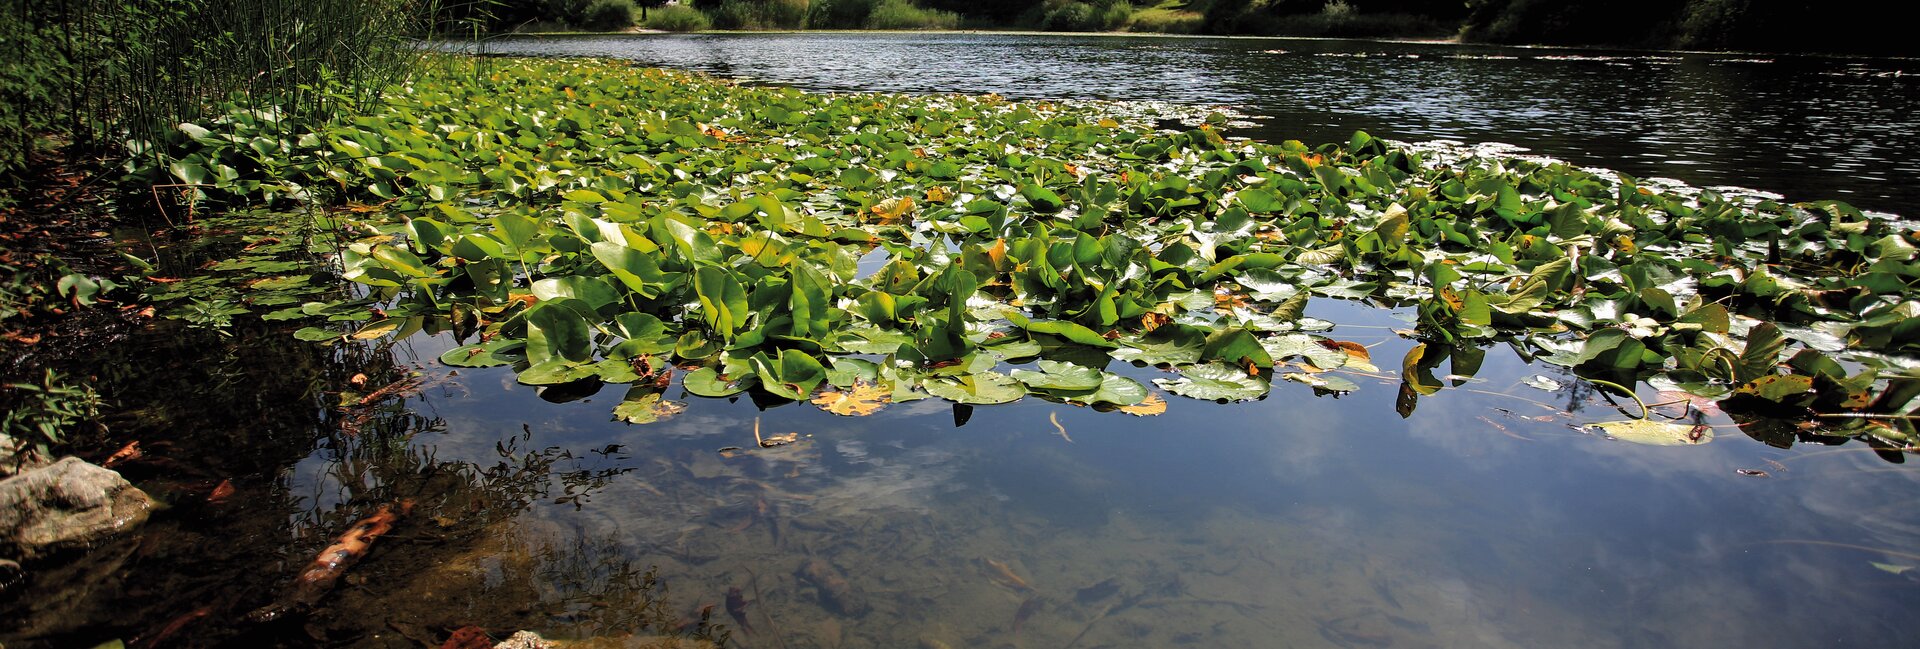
110	73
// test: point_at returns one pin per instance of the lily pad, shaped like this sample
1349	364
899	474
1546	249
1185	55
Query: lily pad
707	382
1055	375
984	388
646	407
1216	382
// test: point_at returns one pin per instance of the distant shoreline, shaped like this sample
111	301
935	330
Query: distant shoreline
1455	41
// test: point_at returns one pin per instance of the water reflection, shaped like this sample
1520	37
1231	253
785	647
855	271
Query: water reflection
1294	521
1488	518
1806	127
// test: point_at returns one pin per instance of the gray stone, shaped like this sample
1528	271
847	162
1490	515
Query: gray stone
524	640
531	640
68	503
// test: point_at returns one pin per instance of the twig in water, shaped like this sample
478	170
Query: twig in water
754	581
1503	429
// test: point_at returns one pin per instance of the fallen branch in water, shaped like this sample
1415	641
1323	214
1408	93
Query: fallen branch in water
325	571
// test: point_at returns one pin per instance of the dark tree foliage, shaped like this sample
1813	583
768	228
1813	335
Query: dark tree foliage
1840	26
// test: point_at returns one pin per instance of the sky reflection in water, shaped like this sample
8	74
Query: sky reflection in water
1293	521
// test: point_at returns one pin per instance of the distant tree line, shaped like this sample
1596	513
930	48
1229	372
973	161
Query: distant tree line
1844	26
1838	26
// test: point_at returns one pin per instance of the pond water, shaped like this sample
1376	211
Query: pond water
1483	515
1807	127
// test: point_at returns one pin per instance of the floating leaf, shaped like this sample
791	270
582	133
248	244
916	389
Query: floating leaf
493	353
984	388
1055	375
860	400
1891	568
1657	433
317	334
1542	382
1217	382
379	328
555	371
646	407
707	382
1777	387
1148	407
1113	389
1326	382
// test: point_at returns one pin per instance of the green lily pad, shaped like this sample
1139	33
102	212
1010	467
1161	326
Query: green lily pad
1055	375
554	372
707	382
643	407
984	388
493	353
1215	382
1114	389
317	334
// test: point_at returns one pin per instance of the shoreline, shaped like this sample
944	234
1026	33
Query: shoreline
1450	41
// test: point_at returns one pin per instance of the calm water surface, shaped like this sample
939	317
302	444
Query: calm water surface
1486	518
1806	127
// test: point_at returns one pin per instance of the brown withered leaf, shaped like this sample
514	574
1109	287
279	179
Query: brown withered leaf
998	253
938	194
1148	407
221	492
1353	349
892	210
861	400
1152	321
1229	300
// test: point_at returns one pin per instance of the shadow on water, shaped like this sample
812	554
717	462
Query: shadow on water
259	470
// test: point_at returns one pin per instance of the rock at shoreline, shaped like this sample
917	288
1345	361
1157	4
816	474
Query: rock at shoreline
68	503
531	640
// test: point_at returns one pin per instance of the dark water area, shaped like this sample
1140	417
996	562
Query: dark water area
1809	128
1489	514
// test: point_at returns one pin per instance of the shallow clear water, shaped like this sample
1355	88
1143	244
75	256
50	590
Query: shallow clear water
1486	518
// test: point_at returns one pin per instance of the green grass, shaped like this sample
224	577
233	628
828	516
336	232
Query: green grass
1168	17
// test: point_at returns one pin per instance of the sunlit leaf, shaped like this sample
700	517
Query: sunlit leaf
1657	433
1215	381
1149	406
643	407
860	400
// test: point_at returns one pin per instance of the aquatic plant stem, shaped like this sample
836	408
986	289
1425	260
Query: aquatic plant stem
1542	404
1644	410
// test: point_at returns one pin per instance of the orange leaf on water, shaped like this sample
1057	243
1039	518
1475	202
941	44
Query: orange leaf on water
1148	407
860	400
